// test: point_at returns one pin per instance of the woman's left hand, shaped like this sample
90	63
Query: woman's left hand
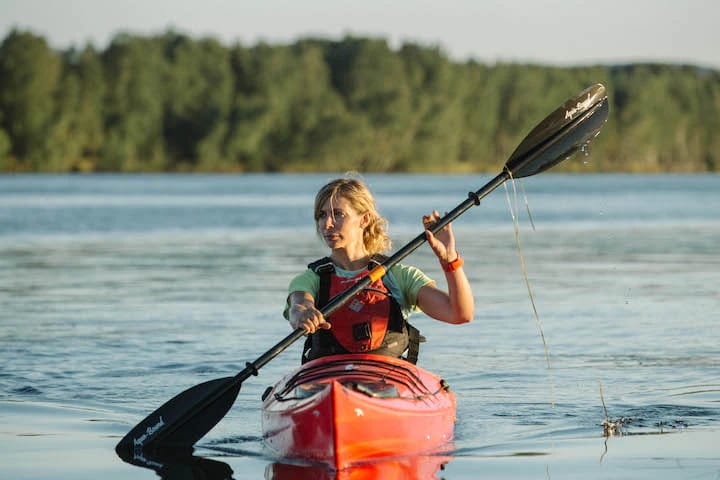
442	243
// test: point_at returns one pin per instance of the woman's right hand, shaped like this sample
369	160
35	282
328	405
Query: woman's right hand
303	314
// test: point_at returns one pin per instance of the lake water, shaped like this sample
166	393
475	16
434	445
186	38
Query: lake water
117	292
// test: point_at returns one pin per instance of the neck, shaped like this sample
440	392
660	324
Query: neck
350	262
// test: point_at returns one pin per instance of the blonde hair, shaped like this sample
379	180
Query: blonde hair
375	237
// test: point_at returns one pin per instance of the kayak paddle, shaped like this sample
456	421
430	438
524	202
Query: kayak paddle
187	417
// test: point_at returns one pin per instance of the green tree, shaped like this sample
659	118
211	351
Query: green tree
284	101
316	120
171	102
135	70
77	135
6	161
372	81
29	74
199	88
438	88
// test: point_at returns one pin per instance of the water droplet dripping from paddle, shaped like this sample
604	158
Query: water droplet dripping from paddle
585	149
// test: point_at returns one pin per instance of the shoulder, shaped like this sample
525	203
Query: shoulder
409	281
409	274
307	281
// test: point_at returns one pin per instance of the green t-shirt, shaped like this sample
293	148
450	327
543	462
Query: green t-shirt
403	281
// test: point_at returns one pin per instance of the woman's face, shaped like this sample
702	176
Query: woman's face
340	225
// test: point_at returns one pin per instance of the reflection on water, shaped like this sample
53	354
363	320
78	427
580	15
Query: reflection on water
178	465
415	468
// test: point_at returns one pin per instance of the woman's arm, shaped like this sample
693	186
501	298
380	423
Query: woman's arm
303	314
457	305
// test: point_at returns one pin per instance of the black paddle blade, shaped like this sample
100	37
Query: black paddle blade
562	133
184	419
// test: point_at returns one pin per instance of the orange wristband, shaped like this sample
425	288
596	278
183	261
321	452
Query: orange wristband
454	265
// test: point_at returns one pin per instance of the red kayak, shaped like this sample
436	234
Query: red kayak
347	409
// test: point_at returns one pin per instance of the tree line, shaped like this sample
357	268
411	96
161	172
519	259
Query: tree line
170	102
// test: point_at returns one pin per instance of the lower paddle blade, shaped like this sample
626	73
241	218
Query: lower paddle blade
185	418
562	133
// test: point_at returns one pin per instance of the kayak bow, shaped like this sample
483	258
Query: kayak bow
345	409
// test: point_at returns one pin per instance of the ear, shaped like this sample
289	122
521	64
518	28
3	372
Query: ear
365	220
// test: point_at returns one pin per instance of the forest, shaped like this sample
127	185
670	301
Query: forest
173	103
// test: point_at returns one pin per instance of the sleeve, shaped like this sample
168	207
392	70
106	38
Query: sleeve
410	280
308	281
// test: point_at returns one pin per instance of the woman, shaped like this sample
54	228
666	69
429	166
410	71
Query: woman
375	320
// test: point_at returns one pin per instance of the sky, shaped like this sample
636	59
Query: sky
550	32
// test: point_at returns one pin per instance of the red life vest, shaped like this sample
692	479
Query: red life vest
361	323
371	322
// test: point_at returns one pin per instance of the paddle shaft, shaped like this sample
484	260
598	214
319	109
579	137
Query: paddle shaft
191	414
515	166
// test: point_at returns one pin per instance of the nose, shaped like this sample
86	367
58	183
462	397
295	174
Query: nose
327	222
